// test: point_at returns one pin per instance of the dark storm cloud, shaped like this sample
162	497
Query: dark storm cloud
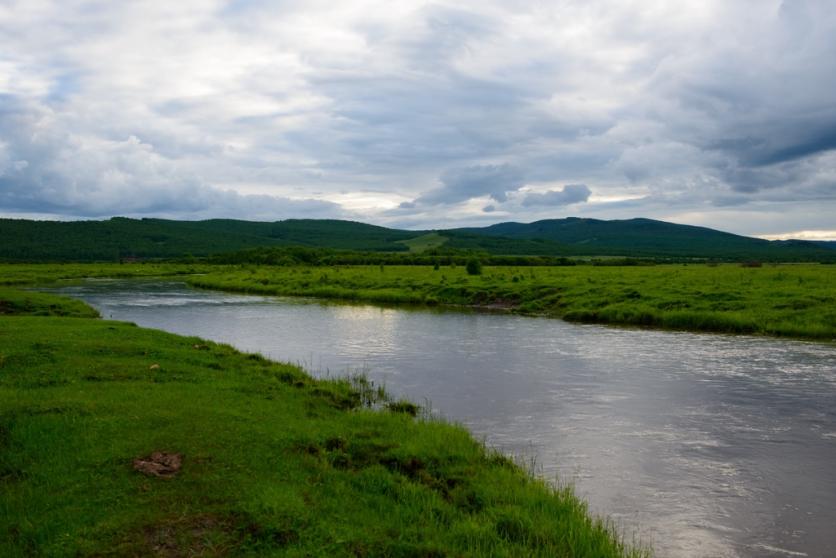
810	142
571	193
458	185
783	140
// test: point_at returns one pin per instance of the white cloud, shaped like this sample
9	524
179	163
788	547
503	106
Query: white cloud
829	235
682	110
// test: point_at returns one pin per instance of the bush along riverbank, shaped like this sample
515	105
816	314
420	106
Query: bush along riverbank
781	300
122	441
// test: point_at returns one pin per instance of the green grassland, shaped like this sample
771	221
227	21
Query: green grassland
783	300
797	300
15	302
39	273
273	461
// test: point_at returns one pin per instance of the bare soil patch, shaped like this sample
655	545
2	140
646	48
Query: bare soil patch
159	464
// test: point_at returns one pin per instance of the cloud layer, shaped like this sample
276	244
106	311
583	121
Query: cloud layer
419	113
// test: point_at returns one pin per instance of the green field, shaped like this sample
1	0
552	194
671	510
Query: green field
14	302
797	300
782	300
33	274
273	462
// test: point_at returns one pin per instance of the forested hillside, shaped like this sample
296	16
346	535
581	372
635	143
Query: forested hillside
651	238
121	238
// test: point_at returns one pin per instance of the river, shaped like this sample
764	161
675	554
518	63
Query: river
700	445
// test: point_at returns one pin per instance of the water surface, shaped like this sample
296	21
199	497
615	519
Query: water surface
701	445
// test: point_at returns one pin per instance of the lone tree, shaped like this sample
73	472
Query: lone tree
474	266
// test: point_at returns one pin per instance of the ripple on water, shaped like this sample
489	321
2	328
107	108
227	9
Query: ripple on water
776	551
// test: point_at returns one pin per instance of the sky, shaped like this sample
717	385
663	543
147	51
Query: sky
418	114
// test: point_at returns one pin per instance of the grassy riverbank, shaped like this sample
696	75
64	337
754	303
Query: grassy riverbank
782	300
31	274
273	461
797	300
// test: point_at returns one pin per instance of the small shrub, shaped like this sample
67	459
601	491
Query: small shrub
474	267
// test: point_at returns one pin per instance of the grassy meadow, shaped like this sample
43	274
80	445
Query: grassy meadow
796	300
43	273
271	461
792	300
16	302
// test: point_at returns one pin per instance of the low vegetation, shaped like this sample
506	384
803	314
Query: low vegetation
122	441
40	274
784	300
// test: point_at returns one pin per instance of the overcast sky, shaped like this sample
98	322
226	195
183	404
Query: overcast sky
422	114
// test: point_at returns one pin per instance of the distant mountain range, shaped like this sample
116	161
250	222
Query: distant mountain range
648	237
119	238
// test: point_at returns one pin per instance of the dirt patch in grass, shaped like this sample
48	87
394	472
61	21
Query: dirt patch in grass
207	534
159	464
203	535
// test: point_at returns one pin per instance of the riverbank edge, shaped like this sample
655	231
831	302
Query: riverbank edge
703	323
523	297
62	371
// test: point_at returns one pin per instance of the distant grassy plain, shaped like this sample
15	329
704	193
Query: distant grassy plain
796	300
42	273
273	461
793	300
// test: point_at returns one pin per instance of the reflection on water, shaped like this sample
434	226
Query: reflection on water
702	445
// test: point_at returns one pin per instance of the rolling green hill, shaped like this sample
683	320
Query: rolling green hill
121	238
